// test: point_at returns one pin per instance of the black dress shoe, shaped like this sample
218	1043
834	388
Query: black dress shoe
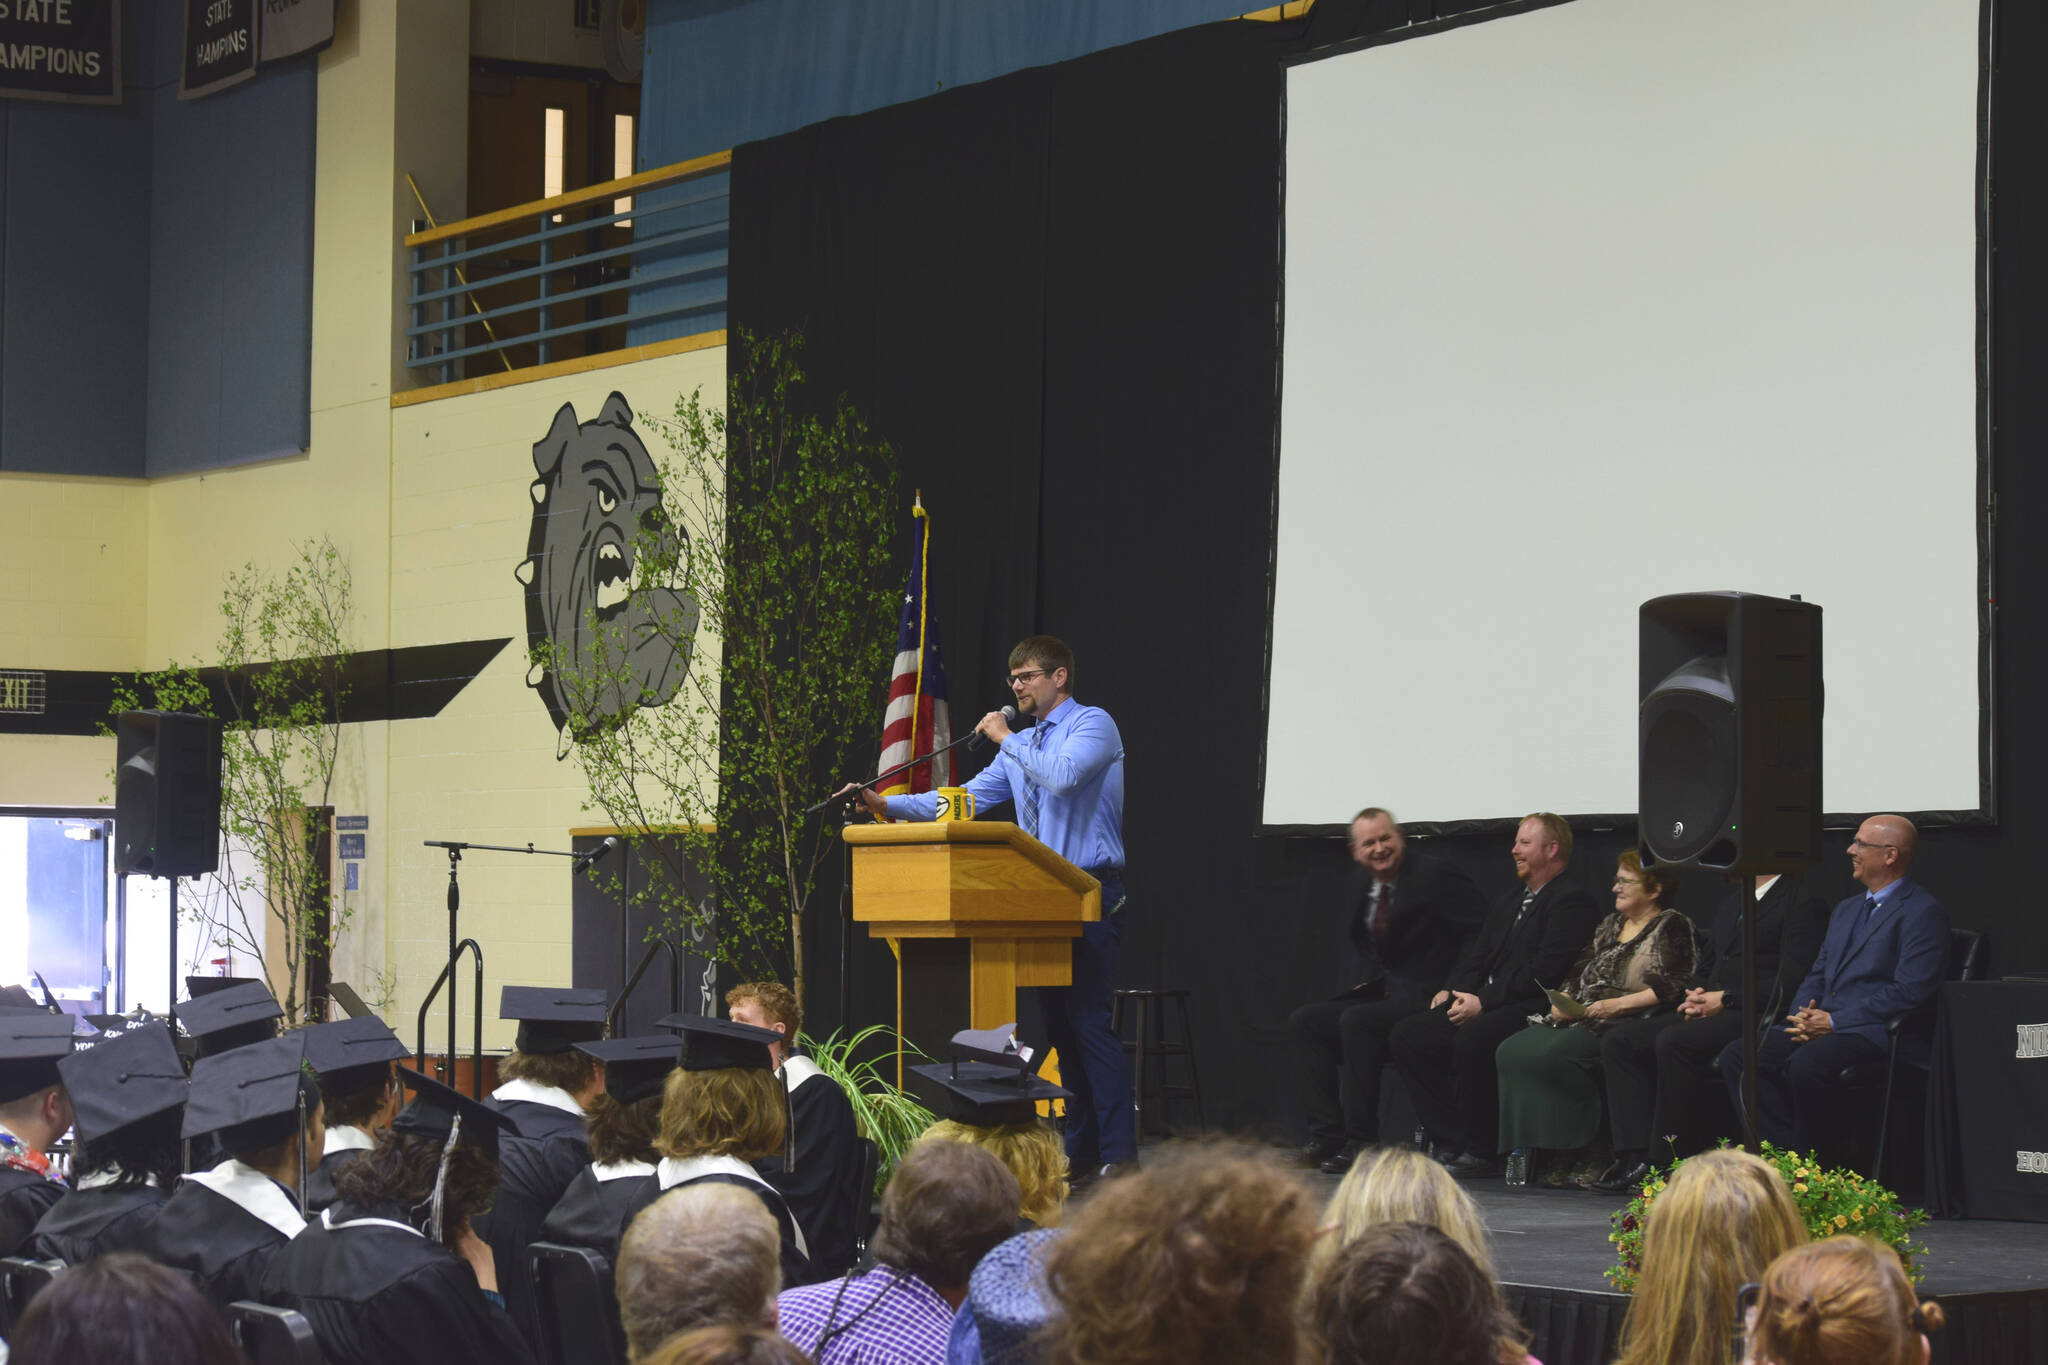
1623	1175
1320	1150
1340	1161
1472	1167
1116	1170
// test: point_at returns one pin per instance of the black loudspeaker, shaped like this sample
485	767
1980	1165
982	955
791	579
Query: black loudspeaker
166	794
1729	738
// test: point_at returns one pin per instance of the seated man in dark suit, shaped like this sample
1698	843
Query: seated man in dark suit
1410	917
1530	941
1655	1065
1885	953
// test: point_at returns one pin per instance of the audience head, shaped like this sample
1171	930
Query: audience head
1197	1257
943	1210
1408	1294
727	1345
769	1005
698	1255
1376	842
725	1111
1542	848
1639	889
1882	851
121	1309
1723	1217
1032	1152
1401	1185
1844	1301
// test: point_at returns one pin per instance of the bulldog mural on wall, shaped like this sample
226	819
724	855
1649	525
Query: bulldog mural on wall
602	638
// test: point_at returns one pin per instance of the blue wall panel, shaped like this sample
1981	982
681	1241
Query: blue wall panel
722	72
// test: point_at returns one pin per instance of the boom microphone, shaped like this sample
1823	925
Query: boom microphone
586	861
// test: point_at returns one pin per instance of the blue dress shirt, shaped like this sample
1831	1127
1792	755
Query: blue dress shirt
1075	757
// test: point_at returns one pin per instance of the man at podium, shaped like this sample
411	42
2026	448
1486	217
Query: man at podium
1065	776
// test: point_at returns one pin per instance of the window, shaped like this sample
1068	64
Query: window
622	162
553	153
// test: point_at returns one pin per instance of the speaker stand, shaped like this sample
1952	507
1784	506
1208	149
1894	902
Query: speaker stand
1749	1011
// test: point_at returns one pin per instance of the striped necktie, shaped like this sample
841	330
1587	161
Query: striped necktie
1027	790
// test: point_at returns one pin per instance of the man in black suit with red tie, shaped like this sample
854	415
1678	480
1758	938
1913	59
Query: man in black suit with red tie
1409	919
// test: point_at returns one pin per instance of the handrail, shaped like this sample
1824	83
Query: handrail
610	189
476	1056
675	983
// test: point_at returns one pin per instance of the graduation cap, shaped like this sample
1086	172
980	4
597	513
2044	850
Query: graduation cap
18	998
123	1078
30	1047
196	986
554	1018
984	1084
252	1096
219	1021
636	1068
353	1055
712	1044
434	1109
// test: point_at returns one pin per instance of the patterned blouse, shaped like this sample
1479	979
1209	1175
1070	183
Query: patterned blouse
1659	959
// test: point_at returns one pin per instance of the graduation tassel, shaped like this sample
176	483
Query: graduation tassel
441	1179
302	1151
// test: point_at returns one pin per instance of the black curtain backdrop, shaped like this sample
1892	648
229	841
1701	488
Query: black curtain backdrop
1057	294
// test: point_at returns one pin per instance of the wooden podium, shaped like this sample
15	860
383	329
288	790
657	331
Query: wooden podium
974	910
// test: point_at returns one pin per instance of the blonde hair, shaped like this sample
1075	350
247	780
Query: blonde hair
1400	1185
1844	1301
1724	1217
730	1111
1032	1152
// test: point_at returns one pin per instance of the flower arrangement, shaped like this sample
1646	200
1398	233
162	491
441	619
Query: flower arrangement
1830	1202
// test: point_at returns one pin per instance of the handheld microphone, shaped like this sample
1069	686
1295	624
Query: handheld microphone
1010	718
586	861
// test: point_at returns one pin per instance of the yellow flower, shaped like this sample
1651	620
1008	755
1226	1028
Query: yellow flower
1800	1173
1799	1189
1857	1215
1840	1221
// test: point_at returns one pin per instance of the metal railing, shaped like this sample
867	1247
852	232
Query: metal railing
476	1056
675	983
576	274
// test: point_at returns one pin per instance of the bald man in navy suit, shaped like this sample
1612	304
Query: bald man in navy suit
1885	954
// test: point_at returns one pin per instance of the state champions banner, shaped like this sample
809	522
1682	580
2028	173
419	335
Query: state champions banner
67	50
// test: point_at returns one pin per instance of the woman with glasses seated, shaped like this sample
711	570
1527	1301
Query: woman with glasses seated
1640	960
1844	1301
1724	1216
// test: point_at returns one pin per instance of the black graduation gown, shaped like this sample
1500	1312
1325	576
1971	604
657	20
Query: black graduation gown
320	1180
383	1295
538	1165
820	1191
796	1264
223	1245
24	1198
87	1224
594	1213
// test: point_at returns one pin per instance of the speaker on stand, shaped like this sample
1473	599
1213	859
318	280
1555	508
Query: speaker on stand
1729	752
166	804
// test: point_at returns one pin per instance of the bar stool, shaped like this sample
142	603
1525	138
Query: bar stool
1152	1046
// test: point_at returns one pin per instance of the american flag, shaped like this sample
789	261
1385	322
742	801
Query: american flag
918	720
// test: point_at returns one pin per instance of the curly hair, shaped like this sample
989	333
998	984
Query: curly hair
727	1345
570	1071
1032	1152
1198	1257
622	1132
1723	1218
700	1254
1401	1185
123	1307
147	1147
776	1000
946	1207
1408	1294
1844	1301
401	1169
1660	884
729	1111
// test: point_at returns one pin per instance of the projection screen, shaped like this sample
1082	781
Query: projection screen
1592	303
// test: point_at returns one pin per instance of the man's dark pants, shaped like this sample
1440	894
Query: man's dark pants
1450	1072
1799	1100
1341	1045
1657	1071
1092	1061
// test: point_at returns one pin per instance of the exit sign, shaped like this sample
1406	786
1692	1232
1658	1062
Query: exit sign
22	691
